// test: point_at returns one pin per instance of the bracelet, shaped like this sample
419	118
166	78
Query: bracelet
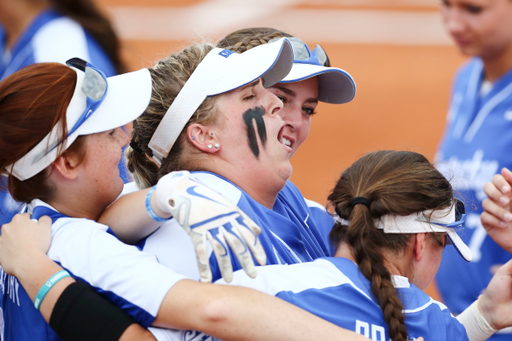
47	286
149	209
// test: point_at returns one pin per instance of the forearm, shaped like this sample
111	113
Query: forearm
236	313
129	219
38	269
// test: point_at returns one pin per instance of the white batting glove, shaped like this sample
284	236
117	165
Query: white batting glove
207	215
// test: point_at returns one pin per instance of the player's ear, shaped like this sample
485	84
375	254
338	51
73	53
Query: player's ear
67	165
203	138
418	248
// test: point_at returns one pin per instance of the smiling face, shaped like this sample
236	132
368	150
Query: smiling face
299	103
479	27
250	132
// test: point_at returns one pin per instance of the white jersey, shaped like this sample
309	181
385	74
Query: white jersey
131	279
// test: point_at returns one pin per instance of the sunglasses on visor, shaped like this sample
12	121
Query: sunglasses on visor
460	216
303	55
94	87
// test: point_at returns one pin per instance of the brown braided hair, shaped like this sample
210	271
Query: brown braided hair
396	183
247	38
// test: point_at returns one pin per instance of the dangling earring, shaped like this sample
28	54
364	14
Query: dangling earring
210	146
217	145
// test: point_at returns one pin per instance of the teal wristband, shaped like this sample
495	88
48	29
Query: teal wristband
47	286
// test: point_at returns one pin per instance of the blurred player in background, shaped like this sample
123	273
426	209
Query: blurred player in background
34	31
477	139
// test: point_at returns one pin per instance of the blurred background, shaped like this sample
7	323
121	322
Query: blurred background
397	51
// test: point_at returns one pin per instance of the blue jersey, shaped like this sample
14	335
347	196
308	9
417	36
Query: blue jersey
335	290
131	279
475	146
50	37
290	234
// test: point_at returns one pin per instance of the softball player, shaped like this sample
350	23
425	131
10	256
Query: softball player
292	232
476	140
390	238
55	33
61	167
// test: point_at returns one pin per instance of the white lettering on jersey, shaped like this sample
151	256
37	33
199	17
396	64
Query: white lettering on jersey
363	328
469	174
193	335
2	324
378	333
12	286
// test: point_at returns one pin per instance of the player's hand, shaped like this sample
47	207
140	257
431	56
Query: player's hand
207	215
497	216
23	239
496	302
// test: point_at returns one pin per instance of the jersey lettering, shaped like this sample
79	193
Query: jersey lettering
194	335
364	328
12	286
477	238
378	333
476	170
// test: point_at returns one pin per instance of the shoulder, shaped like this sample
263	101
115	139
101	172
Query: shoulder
296	278
59	40
217	183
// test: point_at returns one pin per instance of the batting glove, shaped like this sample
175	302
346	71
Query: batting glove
207	215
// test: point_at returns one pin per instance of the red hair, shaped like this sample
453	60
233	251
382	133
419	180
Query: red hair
32	101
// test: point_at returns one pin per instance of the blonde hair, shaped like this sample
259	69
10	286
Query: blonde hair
168	76
247	38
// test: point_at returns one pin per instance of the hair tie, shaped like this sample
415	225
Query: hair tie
361	200
135	146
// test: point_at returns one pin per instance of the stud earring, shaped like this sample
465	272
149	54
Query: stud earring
216	145
193	138
210	146
211	134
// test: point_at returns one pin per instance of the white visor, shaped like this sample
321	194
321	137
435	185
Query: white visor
417	223
335	85
219	72
126	99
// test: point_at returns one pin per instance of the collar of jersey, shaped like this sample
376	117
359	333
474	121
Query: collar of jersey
38	208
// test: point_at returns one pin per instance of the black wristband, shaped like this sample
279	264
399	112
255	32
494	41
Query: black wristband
81	314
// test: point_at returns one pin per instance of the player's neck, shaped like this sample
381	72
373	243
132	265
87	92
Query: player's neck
395	266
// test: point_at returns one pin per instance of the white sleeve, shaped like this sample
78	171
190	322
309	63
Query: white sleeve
131	279
60	40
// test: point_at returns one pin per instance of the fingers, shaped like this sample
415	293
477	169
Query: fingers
253	243
240	247
221	252
494	214
249	233
497	190
507	174
203	260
